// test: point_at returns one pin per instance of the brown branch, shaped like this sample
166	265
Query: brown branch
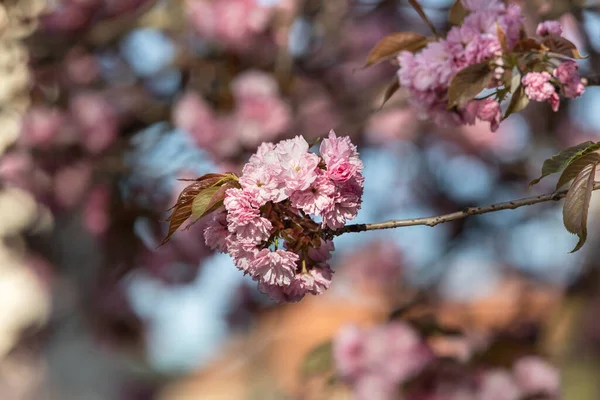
440	219
592	81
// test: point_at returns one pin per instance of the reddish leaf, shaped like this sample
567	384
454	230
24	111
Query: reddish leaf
390	90
525	45
457	13
560	45
182	209
577	203
518	101
393	44
501	37
468	83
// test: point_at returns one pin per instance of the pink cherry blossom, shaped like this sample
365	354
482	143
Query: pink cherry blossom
317	198
548	28
535	376
567	73
274	267
299	166
538	86
216	232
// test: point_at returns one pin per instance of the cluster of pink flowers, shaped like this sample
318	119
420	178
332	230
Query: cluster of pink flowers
229	22
541	86
427	74
376	362
267	225
260	115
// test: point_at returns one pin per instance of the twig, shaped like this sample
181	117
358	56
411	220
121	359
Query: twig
592	81
440	219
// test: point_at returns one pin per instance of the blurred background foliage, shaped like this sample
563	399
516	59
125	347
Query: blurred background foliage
106	103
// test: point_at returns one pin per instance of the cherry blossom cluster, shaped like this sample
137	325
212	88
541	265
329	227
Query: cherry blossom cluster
376	362
268	224
491	32
543	86
563	78
427	74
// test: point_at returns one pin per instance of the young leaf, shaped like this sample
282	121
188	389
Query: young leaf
528	44
318	361
390	90
457	13
575	167
560	161
518	101
560	45
202	200
182	210
577	203
210	199
393	44
468	83
501	38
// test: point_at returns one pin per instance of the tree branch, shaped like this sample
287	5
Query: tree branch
440	219
592	81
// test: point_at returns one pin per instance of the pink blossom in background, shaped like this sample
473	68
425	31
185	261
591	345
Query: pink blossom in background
379	359
71	183
548	28
41	126
260	113
232	23
67	17
497	384
192	115
81	67
96	218
96	120
535	376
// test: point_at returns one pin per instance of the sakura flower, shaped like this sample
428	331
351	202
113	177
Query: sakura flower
317	198
299	166
274	267
548	28
216	232
536	377
567	73
538	86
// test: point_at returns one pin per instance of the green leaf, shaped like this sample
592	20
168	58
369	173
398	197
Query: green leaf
390	90
468	83
575	167
560	161
393	44
318	361
577	203
415	4
518	102
457	13
202	200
